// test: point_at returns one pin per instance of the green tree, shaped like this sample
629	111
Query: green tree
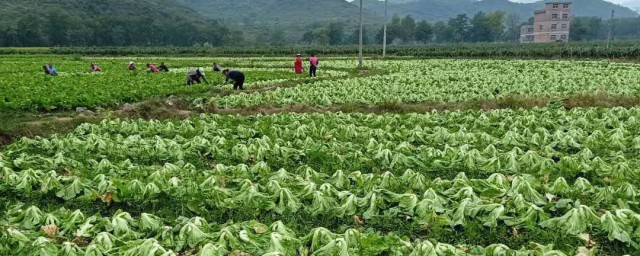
11	38
354	39
512	24
459	28
30	31
59	23
479	30
424	32
407	29
495	22
394	29
443	32
625	28
586	29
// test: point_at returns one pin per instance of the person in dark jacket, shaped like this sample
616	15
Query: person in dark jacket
236	76
194	76
216	67
163	67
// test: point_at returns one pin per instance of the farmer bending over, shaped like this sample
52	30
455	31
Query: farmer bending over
152	68
95	68
194	76
236	76
163	67
52	69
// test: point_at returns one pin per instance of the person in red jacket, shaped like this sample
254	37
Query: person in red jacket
152	68
297	65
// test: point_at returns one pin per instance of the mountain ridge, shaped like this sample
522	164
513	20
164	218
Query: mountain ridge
437	10
104	22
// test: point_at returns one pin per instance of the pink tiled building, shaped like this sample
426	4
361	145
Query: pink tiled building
550	25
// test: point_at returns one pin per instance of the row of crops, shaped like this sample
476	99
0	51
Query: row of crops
426	81
507	182
622	49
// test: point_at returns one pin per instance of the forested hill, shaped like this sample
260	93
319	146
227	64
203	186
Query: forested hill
226	22
105	22
288	18
436	10
275	12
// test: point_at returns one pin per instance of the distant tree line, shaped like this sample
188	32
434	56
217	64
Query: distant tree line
59	27
482	27
593	28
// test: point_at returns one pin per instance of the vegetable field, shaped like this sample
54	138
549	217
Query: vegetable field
398	81
537	181
526	182
420	81
24	86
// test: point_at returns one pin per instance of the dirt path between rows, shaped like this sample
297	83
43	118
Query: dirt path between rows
175	108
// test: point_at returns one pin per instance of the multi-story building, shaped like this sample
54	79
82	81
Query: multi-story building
550	25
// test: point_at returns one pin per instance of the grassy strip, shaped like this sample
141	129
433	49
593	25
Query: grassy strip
14	125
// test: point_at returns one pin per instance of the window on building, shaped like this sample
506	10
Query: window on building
566	6
541	27
565	26
565	16
529	30
554	16
555	6
554	26
563	37
554	37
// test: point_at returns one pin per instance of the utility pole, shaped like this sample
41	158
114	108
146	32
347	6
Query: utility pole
384	36
610	29
360	50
